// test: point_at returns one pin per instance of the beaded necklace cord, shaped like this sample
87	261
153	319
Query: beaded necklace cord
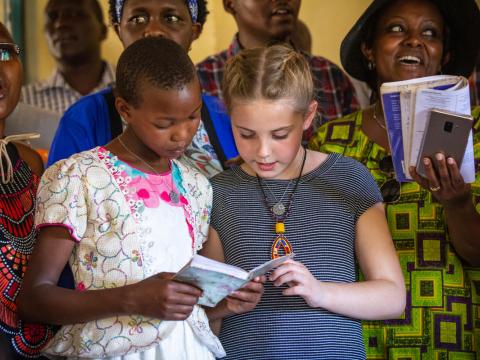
174	197
7	174
382	125
281	241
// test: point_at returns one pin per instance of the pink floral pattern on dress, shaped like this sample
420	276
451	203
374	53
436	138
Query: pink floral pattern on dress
147	190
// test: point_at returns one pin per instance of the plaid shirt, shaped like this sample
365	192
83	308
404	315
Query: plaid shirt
334	92
55	94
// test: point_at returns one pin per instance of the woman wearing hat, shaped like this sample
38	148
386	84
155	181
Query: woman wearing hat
434	222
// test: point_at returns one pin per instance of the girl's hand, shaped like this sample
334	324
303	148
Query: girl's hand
445	183
163	298
245	298
300	281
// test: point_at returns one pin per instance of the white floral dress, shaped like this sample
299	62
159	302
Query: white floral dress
128	225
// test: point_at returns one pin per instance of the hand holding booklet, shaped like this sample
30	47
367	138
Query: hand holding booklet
218	280
408	105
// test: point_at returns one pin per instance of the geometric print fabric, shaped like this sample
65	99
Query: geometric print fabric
442	315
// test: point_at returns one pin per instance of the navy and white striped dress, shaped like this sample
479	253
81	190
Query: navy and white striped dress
321	229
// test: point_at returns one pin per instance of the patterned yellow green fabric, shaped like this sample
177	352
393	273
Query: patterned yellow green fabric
442	316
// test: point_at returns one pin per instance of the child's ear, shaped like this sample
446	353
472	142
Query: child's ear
123	108
310	115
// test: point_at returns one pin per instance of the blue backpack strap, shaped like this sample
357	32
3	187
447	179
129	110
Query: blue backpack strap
219	128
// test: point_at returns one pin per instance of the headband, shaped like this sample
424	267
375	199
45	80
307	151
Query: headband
192	8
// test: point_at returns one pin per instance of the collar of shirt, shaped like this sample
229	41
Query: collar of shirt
57	80
235	47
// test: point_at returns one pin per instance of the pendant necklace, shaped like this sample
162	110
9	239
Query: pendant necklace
278	208
174	197
281	241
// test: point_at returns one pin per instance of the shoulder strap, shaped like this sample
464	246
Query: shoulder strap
212	134
114	117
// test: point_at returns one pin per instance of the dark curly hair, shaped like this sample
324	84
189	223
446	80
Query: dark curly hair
201	19
156	61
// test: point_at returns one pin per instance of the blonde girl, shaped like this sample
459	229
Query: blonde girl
283	198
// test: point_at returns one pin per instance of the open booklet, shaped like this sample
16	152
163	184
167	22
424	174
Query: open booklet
407	105
218	280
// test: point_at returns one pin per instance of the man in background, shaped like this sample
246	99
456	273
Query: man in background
261	23
74	30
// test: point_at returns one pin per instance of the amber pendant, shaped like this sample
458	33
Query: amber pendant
281	243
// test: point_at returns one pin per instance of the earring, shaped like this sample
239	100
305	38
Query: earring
371	65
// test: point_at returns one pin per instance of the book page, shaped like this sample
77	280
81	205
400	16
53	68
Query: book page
406	109
215	285
202	262
452	100
391	95
218	280
428	82
269	265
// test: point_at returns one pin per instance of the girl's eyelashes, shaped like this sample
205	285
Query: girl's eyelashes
280	136
247	136
163	125
274	136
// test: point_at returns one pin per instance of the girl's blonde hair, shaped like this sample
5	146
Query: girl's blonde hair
272	73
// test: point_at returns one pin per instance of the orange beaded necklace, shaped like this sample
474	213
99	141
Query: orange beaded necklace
281	241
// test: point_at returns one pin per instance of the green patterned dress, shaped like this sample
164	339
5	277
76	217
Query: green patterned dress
442	316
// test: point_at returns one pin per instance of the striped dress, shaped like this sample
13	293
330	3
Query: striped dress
321	229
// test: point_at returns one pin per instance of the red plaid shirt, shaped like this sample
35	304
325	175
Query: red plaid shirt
333	90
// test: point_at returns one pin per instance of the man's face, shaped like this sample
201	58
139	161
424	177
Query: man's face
266	19
73	29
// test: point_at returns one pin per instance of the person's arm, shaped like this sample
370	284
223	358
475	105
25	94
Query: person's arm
380	296
463	220
240	301
41	300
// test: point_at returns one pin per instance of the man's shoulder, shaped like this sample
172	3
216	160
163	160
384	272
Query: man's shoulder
36	86
322	63
213	62
90	102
